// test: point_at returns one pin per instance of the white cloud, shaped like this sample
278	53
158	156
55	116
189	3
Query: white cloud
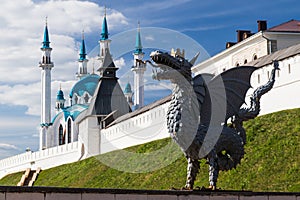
29	95
149	38
120	63
8	146
21	32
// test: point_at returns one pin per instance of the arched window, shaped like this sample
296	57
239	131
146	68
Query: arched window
86	98
237	64
255	57
75	99
60	135
245	61
69	130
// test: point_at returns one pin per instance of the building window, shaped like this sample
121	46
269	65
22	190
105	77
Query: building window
289	68
258	78
86	98
278	73
237	64
69	130
245	61
268	75
61	135
255	57
75	99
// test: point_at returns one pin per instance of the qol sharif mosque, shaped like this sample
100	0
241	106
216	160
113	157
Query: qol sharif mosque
97	97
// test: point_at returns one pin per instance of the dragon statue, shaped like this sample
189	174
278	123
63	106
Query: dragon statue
205	116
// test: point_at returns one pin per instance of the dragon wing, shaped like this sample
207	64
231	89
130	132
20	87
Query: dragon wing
199	85
225	94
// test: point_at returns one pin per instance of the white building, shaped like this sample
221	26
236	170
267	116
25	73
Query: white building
259	49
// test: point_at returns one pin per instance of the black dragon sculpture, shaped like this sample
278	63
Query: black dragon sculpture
205	116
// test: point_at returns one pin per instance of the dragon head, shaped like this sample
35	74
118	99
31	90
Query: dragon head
169	67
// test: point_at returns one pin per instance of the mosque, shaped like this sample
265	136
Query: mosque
92	95
98	116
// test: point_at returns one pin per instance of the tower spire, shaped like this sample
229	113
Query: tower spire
138	41
104	32
82	61
104	41
46	42
82	53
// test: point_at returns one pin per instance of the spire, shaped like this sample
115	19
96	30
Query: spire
104	32
127	89
60	100
138	41
60	94
82	53
46	43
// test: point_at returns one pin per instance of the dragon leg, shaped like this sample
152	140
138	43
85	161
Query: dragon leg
212	159
192	170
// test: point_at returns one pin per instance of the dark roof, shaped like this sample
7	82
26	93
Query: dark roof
142	110
278	55
108	96
289	26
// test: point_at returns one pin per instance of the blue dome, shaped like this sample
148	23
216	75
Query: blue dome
87	84
60	95
127	88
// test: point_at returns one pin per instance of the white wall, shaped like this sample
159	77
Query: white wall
146	127
285	93
89	136
45	159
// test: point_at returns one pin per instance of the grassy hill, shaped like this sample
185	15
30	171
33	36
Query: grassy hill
271	163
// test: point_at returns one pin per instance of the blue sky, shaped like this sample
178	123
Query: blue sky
204	24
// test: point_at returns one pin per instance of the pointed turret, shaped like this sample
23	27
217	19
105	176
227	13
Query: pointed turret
104	41
82	61
60	100
138	41
46	42
128	94
104	32
108	68
82	53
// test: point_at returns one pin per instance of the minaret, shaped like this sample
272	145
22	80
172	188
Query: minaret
128	94
139	68
46	65
60	101
104	41
82	61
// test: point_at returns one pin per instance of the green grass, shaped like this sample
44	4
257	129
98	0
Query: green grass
271	163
